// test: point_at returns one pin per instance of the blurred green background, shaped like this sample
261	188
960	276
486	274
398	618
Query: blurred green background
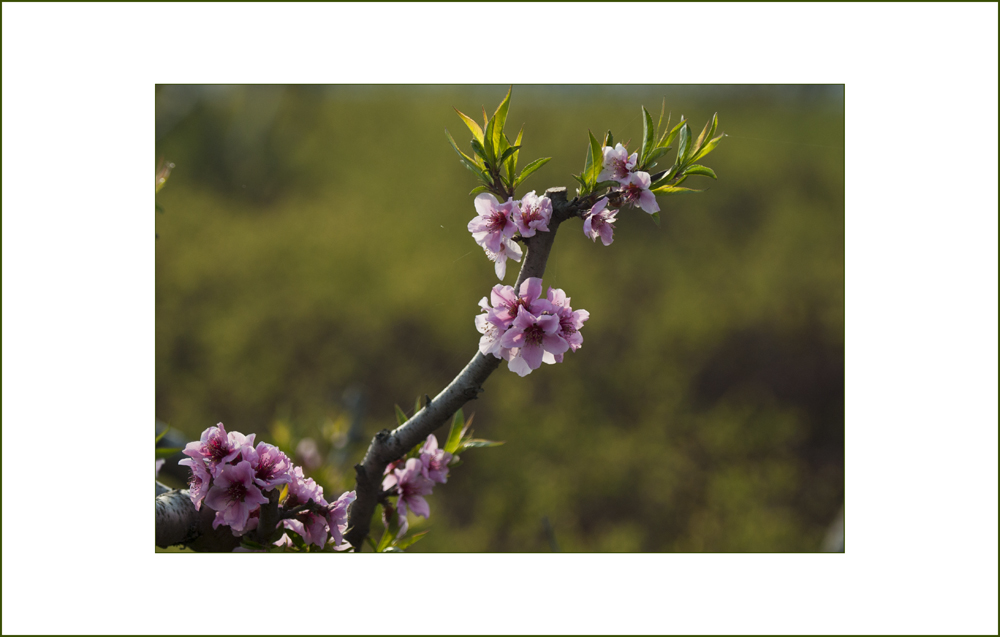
313	269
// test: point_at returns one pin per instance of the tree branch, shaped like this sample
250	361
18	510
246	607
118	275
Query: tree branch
388	446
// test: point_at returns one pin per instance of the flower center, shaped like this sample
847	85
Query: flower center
533	335
236	492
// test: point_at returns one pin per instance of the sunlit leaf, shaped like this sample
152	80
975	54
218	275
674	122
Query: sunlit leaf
479	190
474	443
656	218
684	144
695	169
609	139
478	149
477	132
530	168
500	117
400	416
512	162
709	147
673	190
663	108
455	433
668	138
489	144
648	132
407	542
507	153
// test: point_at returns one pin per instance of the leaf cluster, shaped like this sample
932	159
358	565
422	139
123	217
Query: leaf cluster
494	158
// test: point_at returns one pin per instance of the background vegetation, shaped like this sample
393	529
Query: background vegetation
313	269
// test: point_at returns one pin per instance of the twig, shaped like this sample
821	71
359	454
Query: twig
388	446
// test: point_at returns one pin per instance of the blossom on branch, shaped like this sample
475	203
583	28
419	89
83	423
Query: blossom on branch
618	164
508	249
570	321
234	495
434	461
411	486
493	225
270	465
200	481
533	336
336	517
218	447
600	222
533	214
637	193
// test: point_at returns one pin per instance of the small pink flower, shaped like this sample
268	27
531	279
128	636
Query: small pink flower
270	465
600	222
434	461
302	489
218	447
570	322
618	164
200	481
234	495
533	336
493	225
490	341
506	302
310	526
508	250
533	214
411	487
336	517
637	193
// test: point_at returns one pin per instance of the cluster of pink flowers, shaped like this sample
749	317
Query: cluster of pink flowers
526	330
633	185
231	476
415	479
495	225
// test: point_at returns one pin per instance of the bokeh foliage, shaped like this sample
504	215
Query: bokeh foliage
313	255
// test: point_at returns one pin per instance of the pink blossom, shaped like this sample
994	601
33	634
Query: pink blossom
600	222
508	250
490	341
336	517
506	303
270	465
637	193
434	461
618	164
493	225
302	489
533	336
200	481
310	526
533	214
218	447
411	487
234	495
570	322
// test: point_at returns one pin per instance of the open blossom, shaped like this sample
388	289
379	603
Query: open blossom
506	302
570	323
336	517
218	447
411	486
600	222
199	482
234	495
494	224
490	341
302	489
533	214
637	193
434	461
508	250
533	336
270	465
310	526
618	164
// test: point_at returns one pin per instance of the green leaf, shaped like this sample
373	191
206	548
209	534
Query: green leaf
166	452
609	139
648	132
508	153
656	218
500	117
163	433
385	541
478	190
709	147
663	108
400	416
474	443
656	153
703	137
407	542
596	159
488	144
473	126
478	149
455	433
512	162
668	138
372	543
451	140
695	169
606	184
584	188
672	190
684	144
530	168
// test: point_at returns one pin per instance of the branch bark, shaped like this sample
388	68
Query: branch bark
388	446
